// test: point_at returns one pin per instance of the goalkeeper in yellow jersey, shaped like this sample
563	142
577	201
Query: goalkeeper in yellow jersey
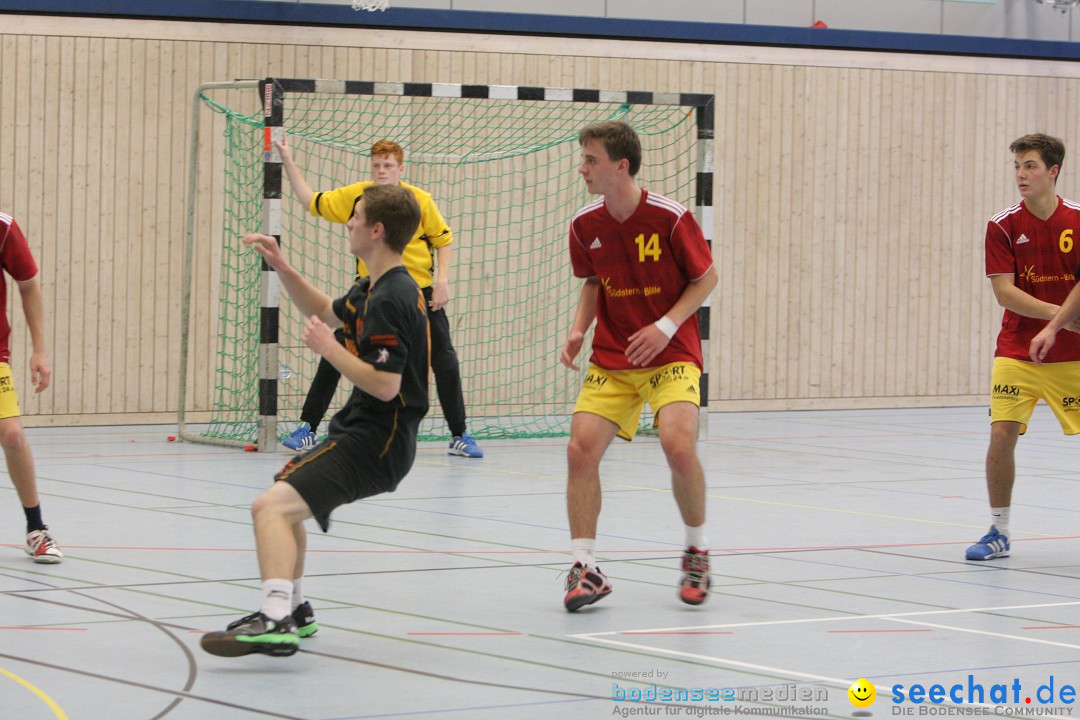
428	259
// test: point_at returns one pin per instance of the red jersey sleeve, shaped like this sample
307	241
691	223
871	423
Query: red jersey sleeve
1000	259
579	255
690	248
15	255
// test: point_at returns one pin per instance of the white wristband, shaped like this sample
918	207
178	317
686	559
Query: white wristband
667	326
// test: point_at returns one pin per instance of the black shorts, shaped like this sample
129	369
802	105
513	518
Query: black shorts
346	467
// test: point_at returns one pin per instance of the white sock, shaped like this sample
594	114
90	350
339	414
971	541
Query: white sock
297	595
584	549
999	518
697	537
277	598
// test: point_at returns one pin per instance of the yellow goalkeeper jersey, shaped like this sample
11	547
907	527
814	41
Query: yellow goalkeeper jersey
433	232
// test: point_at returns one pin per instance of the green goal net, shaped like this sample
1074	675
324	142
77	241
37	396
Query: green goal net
504	174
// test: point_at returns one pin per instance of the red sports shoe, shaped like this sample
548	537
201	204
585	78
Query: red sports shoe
42	548
695	583
584	586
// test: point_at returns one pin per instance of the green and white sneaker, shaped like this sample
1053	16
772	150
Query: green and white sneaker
303	616
254	633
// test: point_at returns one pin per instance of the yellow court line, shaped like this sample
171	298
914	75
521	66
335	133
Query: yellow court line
60	714
835	510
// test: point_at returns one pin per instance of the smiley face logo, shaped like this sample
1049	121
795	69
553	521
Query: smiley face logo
862	693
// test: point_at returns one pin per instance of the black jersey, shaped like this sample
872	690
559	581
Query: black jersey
386	326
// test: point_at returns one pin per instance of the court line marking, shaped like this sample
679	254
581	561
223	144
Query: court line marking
1004	636
883	630
768	669
838	618
57	711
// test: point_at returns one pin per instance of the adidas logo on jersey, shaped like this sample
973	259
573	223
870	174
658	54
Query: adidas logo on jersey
1022	239
595	244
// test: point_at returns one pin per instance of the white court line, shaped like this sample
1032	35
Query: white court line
839	682
1005	636
839	618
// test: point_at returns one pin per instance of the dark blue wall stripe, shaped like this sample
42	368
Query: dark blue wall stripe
558	25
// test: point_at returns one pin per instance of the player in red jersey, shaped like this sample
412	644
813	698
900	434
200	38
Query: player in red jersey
647	269
1031	260
18	262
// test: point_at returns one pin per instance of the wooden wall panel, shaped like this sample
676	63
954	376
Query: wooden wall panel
852	192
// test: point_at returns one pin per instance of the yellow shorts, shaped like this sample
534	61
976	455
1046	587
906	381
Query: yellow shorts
9	400
1017	386
618	395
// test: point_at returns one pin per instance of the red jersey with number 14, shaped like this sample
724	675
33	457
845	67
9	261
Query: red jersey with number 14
1042	256
643	264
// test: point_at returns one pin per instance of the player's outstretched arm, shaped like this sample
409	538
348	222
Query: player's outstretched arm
304	295
34	310
300	187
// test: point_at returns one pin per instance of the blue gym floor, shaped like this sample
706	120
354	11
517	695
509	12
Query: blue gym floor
837	537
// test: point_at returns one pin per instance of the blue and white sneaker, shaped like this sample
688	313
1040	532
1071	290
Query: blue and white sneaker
464	446
301	439
992	545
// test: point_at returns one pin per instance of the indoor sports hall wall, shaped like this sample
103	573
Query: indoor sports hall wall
852	192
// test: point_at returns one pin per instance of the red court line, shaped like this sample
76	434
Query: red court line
69	629
677	632
466	634
882	631
1051	627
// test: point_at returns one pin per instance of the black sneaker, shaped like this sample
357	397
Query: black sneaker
303	616
254	633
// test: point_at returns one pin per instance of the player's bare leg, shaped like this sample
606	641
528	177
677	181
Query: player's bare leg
590	436
20	461
1001	462
20	464
1000	476
276	513
678	438
272	629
